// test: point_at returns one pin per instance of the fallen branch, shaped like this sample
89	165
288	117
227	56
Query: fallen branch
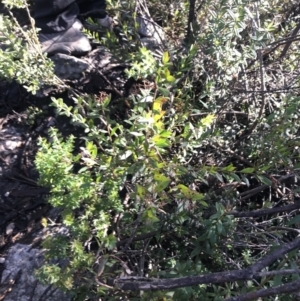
137	238
190	35
142	283
282	289
279	272
289	43
262	212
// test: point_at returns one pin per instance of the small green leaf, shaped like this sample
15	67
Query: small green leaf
192	194
294	220
292	254
196	196
203	237
141	191
165	134
166	57
126	155
203	203
236	177
196	251
265	168
220	227
109	241
208	120
219	177
228	168
278	280
212	238
170	78
160	141
185	190
150	215
107	101
164	92
162	182
248	170
265	180
136	134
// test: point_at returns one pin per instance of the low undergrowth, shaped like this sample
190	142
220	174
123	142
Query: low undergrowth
164	191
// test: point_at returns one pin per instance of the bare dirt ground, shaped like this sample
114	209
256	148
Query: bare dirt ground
22	202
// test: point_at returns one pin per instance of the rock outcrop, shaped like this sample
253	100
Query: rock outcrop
18	282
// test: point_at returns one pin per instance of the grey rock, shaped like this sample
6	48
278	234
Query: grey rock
149	28
11	142
69	67
152	35
20	263
150	43
83	71
99	58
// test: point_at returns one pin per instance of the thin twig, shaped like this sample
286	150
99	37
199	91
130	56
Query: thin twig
137	238
262	83
289	43
257	295
190	35
267	91
133	232
262	212
223	112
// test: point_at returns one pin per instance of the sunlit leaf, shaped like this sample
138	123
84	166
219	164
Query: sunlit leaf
191	194
137	134
158	116
126	155
160	141
165	134
208	120
170	78
150	215
161	182
88	161
141	191
157	104
228	168
166	57
44	222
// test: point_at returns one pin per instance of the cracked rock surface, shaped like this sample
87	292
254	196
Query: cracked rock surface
18	278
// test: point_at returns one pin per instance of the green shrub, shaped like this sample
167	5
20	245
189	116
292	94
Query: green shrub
20	54
149	192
